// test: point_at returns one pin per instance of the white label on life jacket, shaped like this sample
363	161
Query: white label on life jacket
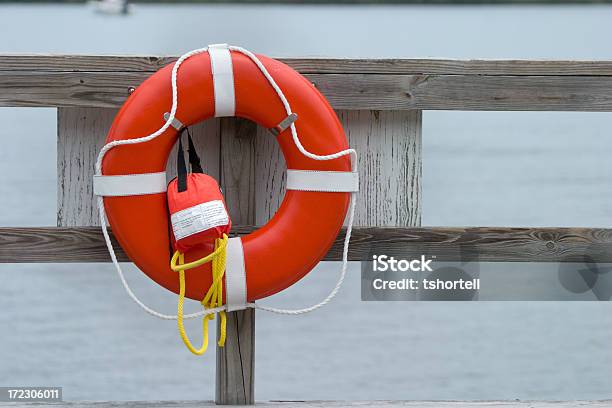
199	218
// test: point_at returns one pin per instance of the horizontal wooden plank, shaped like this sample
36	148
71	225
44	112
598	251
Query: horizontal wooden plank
466	92
486	244
143	63
87	63
329	404
386	84
67	89
344	91
416	66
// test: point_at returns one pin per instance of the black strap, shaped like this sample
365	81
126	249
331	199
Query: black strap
181	167
194	159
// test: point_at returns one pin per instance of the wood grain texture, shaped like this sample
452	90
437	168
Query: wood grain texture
238	168
236	361
67	89
142	63
491	244
82	63
435	66
329	404
389	153
466	92
81	134
389	148
235	381
270	176
353	91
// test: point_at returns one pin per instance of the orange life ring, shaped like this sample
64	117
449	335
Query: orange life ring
306	224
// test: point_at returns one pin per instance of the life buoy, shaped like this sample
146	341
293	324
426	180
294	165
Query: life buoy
307	222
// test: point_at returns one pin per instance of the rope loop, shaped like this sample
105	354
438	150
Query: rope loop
183	266
212	299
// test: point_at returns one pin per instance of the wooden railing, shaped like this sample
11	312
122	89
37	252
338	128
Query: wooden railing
380	104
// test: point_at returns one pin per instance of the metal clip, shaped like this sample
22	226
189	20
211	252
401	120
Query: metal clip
177	124
281	127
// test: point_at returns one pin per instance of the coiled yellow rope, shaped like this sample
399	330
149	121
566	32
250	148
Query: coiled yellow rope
213	298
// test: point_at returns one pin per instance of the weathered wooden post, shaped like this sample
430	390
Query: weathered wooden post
252	178
236	361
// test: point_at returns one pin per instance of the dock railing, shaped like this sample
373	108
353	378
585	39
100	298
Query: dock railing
380	104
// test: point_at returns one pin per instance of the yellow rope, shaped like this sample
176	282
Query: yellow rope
201	261
213	298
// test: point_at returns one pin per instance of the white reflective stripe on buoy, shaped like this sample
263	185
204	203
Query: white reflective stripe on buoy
130	184
325	181
235	276
223	80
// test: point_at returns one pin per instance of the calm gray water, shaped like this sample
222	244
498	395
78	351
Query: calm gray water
73	326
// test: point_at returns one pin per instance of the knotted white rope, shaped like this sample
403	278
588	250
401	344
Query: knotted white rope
296	140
